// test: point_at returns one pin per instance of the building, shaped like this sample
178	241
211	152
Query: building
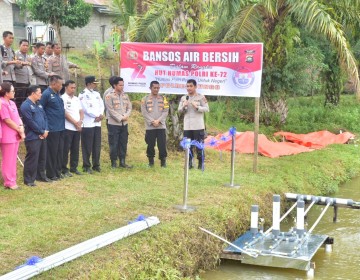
99	28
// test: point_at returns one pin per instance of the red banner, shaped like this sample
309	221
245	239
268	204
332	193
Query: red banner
219	69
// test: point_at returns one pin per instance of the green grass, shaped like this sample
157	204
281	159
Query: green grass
52	217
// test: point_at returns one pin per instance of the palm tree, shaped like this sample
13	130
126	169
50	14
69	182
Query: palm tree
172	21
274	23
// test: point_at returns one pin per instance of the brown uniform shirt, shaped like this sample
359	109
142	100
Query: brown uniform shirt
117	106
194	118
60	66
154	108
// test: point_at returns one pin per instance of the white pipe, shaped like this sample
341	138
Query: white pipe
300	218
319	218
229	243
254	219
276	215
78	250
282	218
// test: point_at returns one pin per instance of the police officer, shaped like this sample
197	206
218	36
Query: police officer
39	66
9	60
194	105
58	64
118	106
23	72
74	117
155	108
36	131
93	107
48	50
54	108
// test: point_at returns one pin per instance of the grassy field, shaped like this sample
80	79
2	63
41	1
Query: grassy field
51	217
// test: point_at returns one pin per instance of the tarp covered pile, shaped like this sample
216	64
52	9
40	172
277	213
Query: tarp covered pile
299	143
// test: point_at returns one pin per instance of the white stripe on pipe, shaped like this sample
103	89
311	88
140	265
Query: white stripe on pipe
78	250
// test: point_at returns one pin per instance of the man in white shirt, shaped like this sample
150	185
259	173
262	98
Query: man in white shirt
74	116
93	107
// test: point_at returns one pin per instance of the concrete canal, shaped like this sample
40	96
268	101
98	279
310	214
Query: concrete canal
342	263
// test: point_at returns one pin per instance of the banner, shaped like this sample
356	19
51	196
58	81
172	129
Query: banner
219	69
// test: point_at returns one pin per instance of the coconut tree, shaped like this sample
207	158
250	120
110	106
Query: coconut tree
274	22
172	21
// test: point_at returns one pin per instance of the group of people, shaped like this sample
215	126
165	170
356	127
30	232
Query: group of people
53	120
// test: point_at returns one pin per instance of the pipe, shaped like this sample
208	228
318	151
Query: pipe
186	172
229	243
276	215
300	218
282	218
321	215
80	249
322	200
254	219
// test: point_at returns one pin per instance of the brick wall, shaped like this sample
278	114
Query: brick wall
83	38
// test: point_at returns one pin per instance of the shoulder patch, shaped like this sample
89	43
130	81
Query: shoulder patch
204	99
107	97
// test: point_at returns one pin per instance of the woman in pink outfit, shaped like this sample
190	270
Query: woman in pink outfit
12	133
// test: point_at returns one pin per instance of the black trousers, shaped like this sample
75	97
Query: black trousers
72	145
35	160
153	136
118	140
20	94
55	151
91	146
197	135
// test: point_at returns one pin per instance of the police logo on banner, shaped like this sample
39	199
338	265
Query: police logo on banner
243	78
133	55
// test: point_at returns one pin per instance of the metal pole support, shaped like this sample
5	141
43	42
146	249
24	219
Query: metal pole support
185	207
232	185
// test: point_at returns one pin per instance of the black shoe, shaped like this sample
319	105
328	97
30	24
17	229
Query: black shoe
45	180
30	184
113	164
67	174
151	162
97	169
55	179
163	162
124	165
88	171
77	172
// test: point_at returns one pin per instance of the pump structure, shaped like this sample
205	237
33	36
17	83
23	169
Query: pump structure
294	248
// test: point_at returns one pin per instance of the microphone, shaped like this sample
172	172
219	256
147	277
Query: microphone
187	98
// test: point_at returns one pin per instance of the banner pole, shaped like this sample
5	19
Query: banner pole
232	185
256	133
185	207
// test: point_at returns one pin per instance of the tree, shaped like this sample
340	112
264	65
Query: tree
70	13
275	23
173	21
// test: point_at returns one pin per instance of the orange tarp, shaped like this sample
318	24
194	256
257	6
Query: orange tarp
245	142
318	139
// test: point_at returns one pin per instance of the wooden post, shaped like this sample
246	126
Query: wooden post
256	132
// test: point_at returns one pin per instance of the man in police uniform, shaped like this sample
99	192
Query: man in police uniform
93	107
23	72
155	108
74	117
9	61
118	106
48	50
39	66
54	108
58	64
36	131
194	105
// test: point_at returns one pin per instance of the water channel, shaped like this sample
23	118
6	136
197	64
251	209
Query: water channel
342	263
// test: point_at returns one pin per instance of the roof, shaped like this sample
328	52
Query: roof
102	6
